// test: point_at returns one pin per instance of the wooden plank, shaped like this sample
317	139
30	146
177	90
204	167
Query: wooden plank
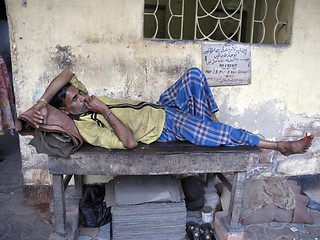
127	164
239	180
78	182
66	181
177	147
59	205
154	159
225	181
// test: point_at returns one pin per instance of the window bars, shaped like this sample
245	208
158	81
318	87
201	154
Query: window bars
248	21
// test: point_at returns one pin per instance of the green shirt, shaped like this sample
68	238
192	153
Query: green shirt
145	120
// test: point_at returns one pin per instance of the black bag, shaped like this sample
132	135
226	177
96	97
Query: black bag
93	210
193	188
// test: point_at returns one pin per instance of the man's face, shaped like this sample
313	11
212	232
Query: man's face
75	103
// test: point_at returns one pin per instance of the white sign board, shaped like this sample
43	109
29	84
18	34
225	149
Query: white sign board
227	64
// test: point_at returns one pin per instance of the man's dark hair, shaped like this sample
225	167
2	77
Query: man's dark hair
58	100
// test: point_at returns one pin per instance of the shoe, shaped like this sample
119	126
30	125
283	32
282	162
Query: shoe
206	232
193	231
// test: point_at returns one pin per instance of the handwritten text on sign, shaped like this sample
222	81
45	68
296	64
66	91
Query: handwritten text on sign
227	65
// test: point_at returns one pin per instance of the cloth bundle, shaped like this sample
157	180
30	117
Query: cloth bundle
49	141
60	136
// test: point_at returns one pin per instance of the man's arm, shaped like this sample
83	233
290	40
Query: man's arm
40	108
62	79
121	130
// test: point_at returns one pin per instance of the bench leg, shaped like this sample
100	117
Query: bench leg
59	205
239	182
78	182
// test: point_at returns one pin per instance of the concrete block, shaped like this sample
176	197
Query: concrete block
92	232
222	231
316	124
104	233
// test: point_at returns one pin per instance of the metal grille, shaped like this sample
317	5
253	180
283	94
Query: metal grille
248	21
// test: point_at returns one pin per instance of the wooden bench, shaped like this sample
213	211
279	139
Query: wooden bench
154	159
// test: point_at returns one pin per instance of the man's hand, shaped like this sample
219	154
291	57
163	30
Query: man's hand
120	129
95	105
40	113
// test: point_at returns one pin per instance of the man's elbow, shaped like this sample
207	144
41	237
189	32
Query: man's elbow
131	144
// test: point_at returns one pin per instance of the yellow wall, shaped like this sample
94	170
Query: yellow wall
101	41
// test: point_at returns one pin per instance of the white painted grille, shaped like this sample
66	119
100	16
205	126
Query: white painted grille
248	21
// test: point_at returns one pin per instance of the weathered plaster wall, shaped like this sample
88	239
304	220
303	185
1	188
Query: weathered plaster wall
101	41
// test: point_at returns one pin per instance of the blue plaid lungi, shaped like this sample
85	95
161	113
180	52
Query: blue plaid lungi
188	106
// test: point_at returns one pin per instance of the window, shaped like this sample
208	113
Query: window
247	21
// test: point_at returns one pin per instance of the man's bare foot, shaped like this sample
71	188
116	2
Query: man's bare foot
293	147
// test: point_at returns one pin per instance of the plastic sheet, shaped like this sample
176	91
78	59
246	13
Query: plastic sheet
93	210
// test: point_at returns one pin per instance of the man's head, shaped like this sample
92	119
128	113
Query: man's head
69	100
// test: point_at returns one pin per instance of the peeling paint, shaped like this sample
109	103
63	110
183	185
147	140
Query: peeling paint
24	3
36	177
38	93
63	57
265	120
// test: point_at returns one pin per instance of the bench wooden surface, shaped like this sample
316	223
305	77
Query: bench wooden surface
154	159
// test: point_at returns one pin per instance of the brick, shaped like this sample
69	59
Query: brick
255	158
266	159
222	231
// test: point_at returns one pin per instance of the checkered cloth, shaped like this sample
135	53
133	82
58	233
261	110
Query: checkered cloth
188	105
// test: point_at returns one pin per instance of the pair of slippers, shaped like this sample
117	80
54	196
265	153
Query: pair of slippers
199	232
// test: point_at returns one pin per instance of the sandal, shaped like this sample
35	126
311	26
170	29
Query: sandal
193	231
206	232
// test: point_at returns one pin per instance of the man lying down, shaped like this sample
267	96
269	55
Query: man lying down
184	112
